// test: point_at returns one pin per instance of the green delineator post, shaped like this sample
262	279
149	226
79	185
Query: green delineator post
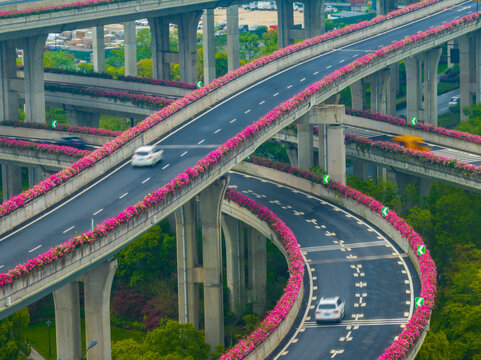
54	124
385	211
414	121
92	224
419	301
326	179
421	249
199	84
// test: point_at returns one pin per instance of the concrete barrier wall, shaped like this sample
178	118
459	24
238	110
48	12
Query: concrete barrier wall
37	158
351	205
428	136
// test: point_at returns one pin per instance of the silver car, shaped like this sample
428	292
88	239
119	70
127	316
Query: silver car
147	156
330	309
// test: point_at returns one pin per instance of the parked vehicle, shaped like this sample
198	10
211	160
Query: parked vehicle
454	101
411	142
328	9
330	309
243	28
72	141
147	156
265	5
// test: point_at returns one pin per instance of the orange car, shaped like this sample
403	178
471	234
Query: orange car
411	142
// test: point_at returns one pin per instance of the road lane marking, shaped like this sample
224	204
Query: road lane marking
289	86
35	248
143	182
166	166
247	111
215	132
200	142
97	212
276	94
124	195
328	67
65	231
183	154
340	62
317	72
262	102
1	266
303	79
234	120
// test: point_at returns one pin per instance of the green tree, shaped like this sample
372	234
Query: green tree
144	44
144	68
220	63
13	344
59	59
116	58
473	125
435	347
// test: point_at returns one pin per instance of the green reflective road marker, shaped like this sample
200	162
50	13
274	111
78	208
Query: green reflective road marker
385	211
92	225
421	249
419	301
414	121
199	84
326	179
54	124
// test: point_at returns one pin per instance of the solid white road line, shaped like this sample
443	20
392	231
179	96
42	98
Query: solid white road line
70	228
35	248
124	195
143	182
166	166
97	212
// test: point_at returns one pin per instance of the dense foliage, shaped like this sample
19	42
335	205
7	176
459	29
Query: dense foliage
13	345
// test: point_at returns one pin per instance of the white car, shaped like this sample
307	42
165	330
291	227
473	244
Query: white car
453	101
147	156
330	309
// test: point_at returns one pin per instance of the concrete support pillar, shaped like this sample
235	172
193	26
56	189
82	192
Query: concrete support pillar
403	179
469	68
449	46
97	287
130	48
257	270
336	152
67	321
211	202
360	169
187	263
11	181
98	48
431	62
161	55
233	49
208	39
234	255
8	71
392	89
414	87
379	81
36	175
187	26
82	118
305	144
385	6
285	21
322	145
292	155
314	22
358	95
381	173
34	80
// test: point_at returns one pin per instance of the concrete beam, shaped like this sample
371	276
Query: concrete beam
130	48
98	47
233	47
208	39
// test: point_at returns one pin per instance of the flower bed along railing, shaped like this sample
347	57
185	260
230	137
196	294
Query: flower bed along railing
411	332
61	127
395	120
38	147
424	157
149	101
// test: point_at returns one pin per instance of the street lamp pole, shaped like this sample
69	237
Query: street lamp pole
49	343
92	344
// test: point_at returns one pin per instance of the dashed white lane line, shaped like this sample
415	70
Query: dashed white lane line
166	166
276	94
247	111
124	195
1	266
289	86
215	132
234	120
303	79
340	62
143	182
317	72
183	154
200	142
35	248
65	231
97	212
328	67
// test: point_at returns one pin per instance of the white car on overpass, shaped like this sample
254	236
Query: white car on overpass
147	156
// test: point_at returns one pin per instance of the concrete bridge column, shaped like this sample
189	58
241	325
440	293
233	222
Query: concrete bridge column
34	78
431	62
360	169
97	287
285	21
358	95
313	18
257	270
36	175
82	118
469	77
292	155
67	321
233	47
11	181
379	82
187	26
161	54
392	89
385	6
130	48
210	204
413	87
187	263
8	70
403	180
98	48
305	148
234	254
208	39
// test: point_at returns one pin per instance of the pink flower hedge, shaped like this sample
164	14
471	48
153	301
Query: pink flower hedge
49	148
411	332
60	127
291	291
152	102
395	120
428	158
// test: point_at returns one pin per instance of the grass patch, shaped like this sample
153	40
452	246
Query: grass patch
450	119
444	87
